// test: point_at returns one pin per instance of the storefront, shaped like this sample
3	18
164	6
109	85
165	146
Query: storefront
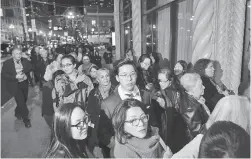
184	30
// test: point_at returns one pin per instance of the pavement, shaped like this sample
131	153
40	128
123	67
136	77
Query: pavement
18	141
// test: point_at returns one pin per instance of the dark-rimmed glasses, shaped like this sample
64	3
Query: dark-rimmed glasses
84	123
135	122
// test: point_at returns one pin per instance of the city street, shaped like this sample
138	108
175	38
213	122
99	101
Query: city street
18	141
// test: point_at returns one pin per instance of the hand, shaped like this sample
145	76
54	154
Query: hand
226	93
149	86
98	152
161	102
19	76
168	153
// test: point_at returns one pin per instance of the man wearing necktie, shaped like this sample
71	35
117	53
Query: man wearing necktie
126	75
15	71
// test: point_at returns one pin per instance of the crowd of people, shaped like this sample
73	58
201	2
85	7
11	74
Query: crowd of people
132	108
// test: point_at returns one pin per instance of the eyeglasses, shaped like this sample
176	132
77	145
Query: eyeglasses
135	122
133	74
163	81
146	64
82	124
67	65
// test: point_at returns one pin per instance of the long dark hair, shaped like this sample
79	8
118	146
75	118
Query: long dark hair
62	137
201	65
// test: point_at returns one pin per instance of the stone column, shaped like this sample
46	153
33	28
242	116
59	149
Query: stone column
136	26
117	28
230	37
202	45
218	35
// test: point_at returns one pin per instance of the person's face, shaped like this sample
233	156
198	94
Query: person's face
79	50
86	60
17	54
79	124
103	78
209	71
163	81
136	122
178	69
198	89
129	53
68	66
44	54
145	64
37	50
93	73
127	77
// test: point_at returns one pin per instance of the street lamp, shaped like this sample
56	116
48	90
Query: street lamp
12	27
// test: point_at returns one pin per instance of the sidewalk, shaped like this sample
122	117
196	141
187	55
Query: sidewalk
18	141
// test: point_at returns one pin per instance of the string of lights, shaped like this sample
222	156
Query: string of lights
57	4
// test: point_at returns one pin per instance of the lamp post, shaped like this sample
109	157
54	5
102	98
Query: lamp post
12	27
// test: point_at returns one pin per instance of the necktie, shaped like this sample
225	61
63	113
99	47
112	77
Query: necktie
131	95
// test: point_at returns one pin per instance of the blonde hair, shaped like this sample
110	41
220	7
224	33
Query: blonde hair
189	80
232	108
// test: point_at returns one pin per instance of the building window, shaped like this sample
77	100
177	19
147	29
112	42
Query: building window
166	29
94	23
126	25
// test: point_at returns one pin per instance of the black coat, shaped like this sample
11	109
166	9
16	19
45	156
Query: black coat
9	73
47	101
108	57
211	94
144	77
41	67
93	108
173	128
194	115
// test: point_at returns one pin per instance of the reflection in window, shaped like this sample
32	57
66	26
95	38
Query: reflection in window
164	31
126	25
94	22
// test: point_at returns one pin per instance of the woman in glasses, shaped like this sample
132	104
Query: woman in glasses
173	128
70	127
134	137
72	86
145	80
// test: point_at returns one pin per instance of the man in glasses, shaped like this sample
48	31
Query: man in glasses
126	75
15	71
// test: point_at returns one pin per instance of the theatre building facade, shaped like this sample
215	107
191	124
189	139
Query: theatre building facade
187	30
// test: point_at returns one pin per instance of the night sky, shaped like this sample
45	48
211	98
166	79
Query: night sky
71	2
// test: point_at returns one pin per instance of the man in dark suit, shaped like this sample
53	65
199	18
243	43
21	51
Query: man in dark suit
15	71
126	75
41	65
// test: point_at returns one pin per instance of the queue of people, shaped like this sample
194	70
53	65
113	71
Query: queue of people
149	112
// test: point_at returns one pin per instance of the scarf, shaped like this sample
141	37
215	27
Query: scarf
104	90
146	147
